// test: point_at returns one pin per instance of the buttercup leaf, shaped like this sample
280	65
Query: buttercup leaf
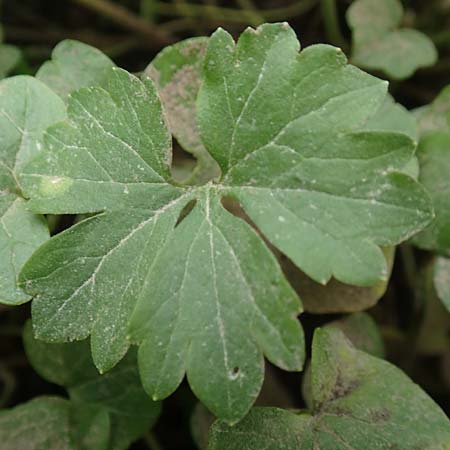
359	402
168	267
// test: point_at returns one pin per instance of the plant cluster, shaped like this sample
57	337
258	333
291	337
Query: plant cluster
305	176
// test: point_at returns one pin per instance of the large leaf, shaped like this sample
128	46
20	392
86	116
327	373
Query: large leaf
177	74
27	107
114	403
74	65
211	299
379	41
359	402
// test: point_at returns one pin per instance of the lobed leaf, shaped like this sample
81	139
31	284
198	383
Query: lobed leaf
208	297
303	170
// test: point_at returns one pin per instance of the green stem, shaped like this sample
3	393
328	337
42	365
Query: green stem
331	22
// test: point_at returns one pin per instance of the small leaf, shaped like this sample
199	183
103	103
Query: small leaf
442	280
380	43
74	65
359	402
27	107
177	74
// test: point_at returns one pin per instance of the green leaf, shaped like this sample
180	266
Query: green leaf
27	107
177	74
434	160
74	65
40	424
359	402
303	170
379	41
209	299
221	318
115	404
442	280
